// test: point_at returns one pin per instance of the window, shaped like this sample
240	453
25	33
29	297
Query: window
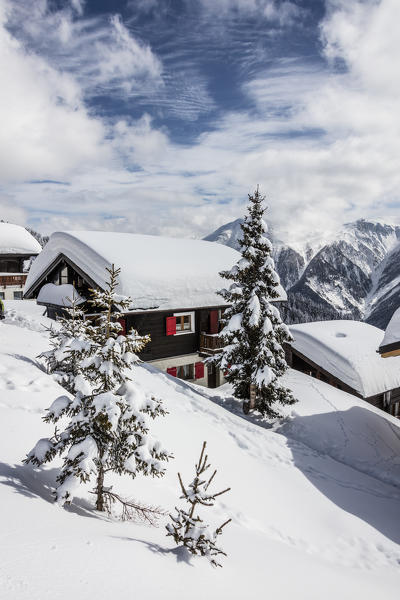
192	371
184	323
395	409
17	295
9	265
387	398
64	275
185	372
1	295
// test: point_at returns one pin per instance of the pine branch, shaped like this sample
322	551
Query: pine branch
210	480
219	530
182	486
198	467
220	493
132	510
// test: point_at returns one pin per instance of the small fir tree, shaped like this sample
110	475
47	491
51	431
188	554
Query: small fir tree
187	528
253	332
62	360
108	417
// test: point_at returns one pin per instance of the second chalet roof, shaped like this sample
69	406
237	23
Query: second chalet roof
348	350
156	272
391	340
15	239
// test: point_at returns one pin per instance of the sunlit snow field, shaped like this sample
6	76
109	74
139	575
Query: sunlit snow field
315	498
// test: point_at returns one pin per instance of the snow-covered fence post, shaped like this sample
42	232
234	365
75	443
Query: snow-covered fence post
188	529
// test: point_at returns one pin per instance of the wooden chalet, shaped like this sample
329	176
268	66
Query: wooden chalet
344	355
390	346
17	249
173	284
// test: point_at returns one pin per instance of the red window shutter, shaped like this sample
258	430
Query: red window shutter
171	325
213	321
172	371
227	370
122	322
199	370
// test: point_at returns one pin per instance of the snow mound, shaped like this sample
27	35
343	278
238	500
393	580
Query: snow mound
348	350
60	295
15	239
26	314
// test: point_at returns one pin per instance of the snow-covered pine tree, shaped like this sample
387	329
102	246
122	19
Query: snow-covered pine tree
253	332
62	360
187	528
108	417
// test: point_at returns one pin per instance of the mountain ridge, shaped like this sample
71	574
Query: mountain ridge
354	273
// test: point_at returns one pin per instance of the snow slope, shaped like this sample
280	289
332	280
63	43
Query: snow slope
315	499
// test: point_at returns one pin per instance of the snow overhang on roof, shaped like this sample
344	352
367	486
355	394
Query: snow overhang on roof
59	295
156	272
348	350
15	239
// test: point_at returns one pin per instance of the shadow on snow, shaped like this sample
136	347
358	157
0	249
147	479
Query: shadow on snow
40	483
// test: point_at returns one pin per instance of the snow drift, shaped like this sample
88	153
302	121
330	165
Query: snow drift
314	501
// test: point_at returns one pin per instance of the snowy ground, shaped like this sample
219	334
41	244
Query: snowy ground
315	499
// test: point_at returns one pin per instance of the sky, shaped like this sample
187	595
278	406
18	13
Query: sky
160	116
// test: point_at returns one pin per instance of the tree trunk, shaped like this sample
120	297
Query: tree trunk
99	489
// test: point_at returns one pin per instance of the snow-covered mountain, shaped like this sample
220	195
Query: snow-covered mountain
355	273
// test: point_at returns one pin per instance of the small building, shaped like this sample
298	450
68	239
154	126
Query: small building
390	345
344	354
17	250
173	284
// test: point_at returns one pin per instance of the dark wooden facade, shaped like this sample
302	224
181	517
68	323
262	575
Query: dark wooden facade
163	345
202	341
300	362
12	273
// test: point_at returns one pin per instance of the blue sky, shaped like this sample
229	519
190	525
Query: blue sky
161	115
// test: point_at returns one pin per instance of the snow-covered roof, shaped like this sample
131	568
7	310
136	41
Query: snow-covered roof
348	350
60	295
392	333
15	239
157	272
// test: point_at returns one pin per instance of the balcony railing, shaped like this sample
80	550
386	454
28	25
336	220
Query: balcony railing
12	280
210	344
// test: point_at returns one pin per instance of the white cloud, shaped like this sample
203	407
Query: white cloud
99	52
46	130
282	12
323	143
139	143
78	6
10	212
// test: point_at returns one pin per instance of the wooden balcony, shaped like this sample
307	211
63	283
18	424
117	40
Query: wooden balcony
8	279
210	344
